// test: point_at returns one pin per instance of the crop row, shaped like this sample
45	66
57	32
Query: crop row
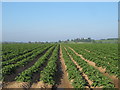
74	75
6	70
106	50
48	73
21	57
10	51
108	63
27	75
98	79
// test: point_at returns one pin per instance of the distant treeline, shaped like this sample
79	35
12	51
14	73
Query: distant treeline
110	39
89	40
77	40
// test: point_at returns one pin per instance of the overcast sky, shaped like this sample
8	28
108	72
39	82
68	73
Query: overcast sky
50	21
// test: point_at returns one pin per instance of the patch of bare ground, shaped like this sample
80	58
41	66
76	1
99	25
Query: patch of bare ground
87	50
25	85
102	70
15	84
115	80
0	85
59	73
64	82
9	80
41	85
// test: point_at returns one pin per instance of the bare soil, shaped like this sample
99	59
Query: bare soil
15	84
59	73
102	70
41	85
115	80
87	50
65	83
26	85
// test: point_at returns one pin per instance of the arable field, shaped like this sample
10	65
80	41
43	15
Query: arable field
60	66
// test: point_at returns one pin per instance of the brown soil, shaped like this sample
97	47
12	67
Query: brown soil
87	50
41	85
26	85
115	80
102	70
15	84
0	85
65	83
58	74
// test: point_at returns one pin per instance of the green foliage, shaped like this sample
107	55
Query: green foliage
11	67
26	76
94	75
104	55
73	73
48	74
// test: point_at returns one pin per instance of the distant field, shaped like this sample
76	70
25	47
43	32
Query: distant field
60	65
106	41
